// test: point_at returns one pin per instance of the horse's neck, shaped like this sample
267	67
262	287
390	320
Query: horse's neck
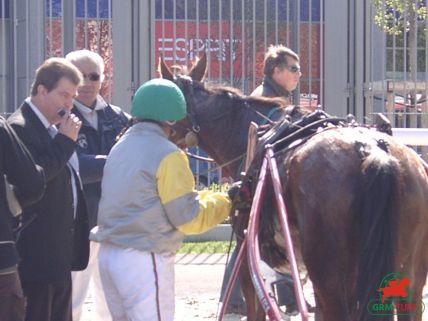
225	154
227	143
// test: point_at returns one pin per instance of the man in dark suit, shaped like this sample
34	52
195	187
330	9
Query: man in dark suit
56	241
27	180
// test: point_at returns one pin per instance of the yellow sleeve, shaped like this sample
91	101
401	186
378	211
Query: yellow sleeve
191	212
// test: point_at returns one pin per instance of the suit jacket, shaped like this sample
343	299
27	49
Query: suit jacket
28	187
92	144
55	242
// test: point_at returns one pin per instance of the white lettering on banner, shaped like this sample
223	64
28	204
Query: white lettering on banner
192	48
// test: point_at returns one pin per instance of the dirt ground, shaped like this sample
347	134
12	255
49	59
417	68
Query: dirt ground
198	283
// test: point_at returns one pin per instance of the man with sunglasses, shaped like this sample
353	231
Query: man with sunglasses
101	124
281	73
281	77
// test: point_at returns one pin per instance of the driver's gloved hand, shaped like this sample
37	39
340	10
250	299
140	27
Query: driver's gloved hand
234	190
240	195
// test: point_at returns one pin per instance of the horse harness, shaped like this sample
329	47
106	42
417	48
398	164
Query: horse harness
285	135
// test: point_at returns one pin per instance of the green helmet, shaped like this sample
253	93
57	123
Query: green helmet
159	99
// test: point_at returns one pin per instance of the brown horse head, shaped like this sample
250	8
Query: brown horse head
211	108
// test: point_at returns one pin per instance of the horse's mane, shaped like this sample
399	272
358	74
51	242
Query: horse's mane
216	88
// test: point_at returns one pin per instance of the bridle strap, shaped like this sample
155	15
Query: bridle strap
185	82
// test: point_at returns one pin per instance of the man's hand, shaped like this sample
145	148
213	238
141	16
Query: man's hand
70	126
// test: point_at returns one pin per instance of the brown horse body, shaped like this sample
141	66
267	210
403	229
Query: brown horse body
356	197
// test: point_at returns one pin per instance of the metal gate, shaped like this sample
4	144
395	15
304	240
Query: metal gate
33	30
349	65
235	36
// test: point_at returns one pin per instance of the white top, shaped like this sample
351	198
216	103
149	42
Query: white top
91	114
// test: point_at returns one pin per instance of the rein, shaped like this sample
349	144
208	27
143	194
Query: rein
201	158
233	160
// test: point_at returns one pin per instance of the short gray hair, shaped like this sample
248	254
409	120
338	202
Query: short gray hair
87	55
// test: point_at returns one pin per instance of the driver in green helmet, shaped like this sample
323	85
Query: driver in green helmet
148	204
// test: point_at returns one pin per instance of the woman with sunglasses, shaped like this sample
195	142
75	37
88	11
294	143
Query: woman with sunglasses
281	73
101	123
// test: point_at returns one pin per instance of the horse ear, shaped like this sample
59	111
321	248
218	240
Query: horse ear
164	70
199	69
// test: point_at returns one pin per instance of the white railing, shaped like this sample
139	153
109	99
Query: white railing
411	136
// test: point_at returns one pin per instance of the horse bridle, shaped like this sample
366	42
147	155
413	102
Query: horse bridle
185	83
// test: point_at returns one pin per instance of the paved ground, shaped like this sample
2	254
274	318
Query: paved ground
198	283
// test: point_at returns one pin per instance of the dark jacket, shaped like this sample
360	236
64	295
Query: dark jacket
269	88
93	147
29	184
55	242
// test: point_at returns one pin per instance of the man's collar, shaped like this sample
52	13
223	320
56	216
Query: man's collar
279	91
38	113
100	104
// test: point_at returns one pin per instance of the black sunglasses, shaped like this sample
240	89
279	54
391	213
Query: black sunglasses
293	69
93	76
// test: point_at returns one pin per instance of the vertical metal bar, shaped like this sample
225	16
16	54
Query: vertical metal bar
264	25
50	28
110	49
276	22
424	121
134	82
321	60
163	25
405	67
187	48
287	18
424	91
243	45
196	54
386	96
296	26
85	24
254	45
98	24
372	54
153	64
416	62
15	55
220	42
67	8
209	38
174	31
27	42
310	42
231	36
3	50
296	44
197	27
